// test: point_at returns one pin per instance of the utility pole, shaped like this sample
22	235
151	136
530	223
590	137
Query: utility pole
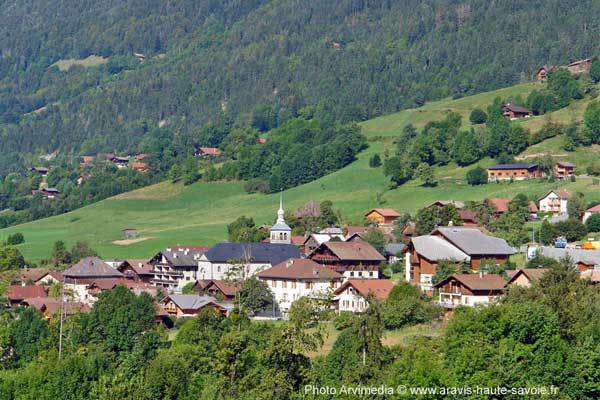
62	312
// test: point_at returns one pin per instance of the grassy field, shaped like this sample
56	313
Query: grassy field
90	61
167	214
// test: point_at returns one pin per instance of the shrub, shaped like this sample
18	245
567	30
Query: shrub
593	223
375	161
343	320
478	116
15	238
257	185
477	176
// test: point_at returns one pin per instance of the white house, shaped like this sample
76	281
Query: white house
352	295
469	289
240	260
296	278
176	266
590	211
81	275
555	201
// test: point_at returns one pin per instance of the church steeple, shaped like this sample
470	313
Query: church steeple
281	232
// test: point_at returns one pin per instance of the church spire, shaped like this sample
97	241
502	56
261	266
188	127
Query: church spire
280	212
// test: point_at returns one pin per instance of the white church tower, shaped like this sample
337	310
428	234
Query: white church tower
281	233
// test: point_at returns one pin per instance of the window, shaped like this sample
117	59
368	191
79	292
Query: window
294	285
351	273
370	273
308	285
274	283
284	284
218	268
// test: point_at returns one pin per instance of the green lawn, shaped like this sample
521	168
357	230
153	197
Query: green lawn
167	214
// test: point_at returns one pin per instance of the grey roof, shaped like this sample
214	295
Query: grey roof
182	257
589	257
281	226
191	301
435	248
91	267
270	253
473	242
393	248
513	166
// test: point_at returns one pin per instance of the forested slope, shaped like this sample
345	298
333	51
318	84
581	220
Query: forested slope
210	61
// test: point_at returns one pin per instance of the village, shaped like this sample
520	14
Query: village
335	265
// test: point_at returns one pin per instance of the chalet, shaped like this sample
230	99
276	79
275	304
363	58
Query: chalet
190	305
129	233
136	270
555	201
87	270
120	162
354	259
580	66
100	285
500	206
422	256
49	278
176	266
219	289
314	240
37	276
443	203
140	166
563	170
514	111
393	252
525	277
591	211
352	295
207	152
476	244
49	306
296	278
583	260
87	160
541	75
241	260
42	171
382	216
516	172
468	217
469	289
141	157
17	293
409	230
47	193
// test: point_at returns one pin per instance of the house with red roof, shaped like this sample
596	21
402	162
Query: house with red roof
525	277
382	216
555	201
352	295
217	288
207	152
469	289
354	259
591	211
299	277
17	293
500	206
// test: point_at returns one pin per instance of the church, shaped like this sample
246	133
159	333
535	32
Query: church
280	233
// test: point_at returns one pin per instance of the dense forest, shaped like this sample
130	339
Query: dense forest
211	61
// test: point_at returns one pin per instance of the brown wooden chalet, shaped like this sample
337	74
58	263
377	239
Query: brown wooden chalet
469	289
217	288
563	170
514	111
344	256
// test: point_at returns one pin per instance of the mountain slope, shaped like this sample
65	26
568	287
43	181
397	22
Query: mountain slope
165	213
351	59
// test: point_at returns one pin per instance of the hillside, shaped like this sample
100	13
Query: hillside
167	214
205	61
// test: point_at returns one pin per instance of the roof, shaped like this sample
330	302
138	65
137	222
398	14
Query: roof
513	166
258	252
141	267
476	281
299	268
585	60
31	274
227	288
386	212
592	275
281	226
380	288
565	164
191	301
183	256
455	203
501	205
434	248
354	251
562	194
588	257
468	215
53	305
533	274
18	292
321	238
108	283
393	248
473	242
515	108
139	166
213	151
596	208
91	267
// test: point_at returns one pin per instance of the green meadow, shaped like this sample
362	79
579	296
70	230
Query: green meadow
169	214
